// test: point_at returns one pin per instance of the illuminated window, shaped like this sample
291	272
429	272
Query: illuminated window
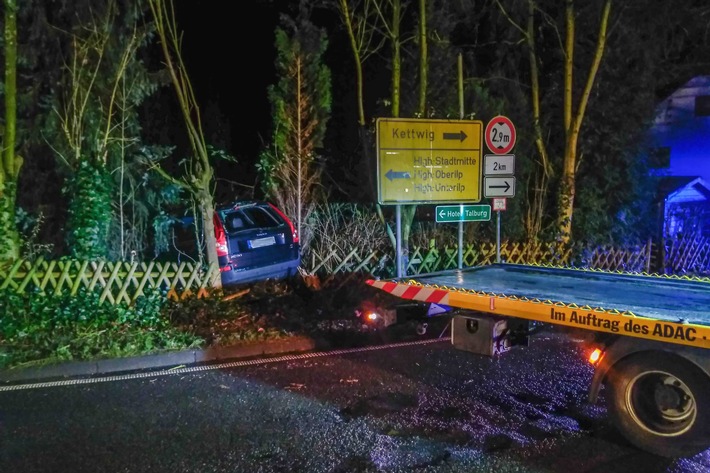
702	106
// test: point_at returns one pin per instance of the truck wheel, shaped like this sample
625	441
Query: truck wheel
661	403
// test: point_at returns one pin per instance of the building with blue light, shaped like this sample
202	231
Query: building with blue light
680	153
681	131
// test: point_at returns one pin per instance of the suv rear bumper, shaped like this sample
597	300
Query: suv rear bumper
274	271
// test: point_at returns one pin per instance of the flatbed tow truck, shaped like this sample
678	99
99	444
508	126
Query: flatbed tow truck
651	337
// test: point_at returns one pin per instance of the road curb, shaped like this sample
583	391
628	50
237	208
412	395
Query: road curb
294	344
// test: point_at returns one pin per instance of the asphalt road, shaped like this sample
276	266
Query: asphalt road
415	408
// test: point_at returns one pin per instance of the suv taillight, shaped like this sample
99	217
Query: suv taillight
294	233
220	236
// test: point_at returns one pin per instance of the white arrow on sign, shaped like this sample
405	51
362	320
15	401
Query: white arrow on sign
499	187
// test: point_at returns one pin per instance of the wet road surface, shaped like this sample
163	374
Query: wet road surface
416	408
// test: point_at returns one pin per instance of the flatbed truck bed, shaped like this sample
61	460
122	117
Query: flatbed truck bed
667	309
653	334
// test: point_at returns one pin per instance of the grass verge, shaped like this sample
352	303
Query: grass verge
39	329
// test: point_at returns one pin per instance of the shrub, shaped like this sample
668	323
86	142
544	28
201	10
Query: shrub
39	329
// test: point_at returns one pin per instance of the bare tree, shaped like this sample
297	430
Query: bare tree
575	103
199	171
90	114
391	14
361	22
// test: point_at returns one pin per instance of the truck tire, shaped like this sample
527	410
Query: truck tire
661	403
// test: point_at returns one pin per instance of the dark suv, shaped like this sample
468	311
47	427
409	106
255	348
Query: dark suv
255	241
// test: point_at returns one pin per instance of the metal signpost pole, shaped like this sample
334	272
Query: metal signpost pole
425	162
498	237
499	167
398	245
499	205
461	102
461	244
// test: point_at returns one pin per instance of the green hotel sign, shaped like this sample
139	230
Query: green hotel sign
463	213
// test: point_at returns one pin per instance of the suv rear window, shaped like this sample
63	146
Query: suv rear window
249	218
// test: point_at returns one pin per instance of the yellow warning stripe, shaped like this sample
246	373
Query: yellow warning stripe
568	314
704	279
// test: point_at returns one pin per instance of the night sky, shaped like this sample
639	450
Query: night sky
230	58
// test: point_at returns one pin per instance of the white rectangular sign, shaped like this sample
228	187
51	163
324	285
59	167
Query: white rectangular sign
498	164
499	186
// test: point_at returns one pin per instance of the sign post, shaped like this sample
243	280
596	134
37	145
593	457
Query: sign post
499	186
426	161
500	135
499	181
499	164
463	213
499	205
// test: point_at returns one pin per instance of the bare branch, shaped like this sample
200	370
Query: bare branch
515	25
594	68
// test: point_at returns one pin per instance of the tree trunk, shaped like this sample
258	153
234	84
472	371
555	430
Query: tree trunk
199	180
423	66
363	134
538	185
205	204
11	164
573	123
396	57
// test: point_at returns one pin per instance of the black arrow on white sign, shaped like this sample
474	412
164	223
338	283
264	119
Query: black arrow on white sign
506	186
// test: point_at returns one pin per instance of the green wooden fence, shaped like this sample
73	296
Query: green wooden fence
116	281
380	262
125	281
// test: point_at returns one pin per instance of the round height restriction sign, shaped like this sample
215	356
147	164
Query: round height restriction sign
500	135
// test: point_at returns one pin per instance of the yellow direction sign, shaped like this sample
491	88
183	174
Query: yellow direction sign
427	161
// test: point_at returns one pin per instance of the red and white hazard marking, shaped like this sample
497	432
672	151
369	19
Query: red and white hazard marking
417	293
